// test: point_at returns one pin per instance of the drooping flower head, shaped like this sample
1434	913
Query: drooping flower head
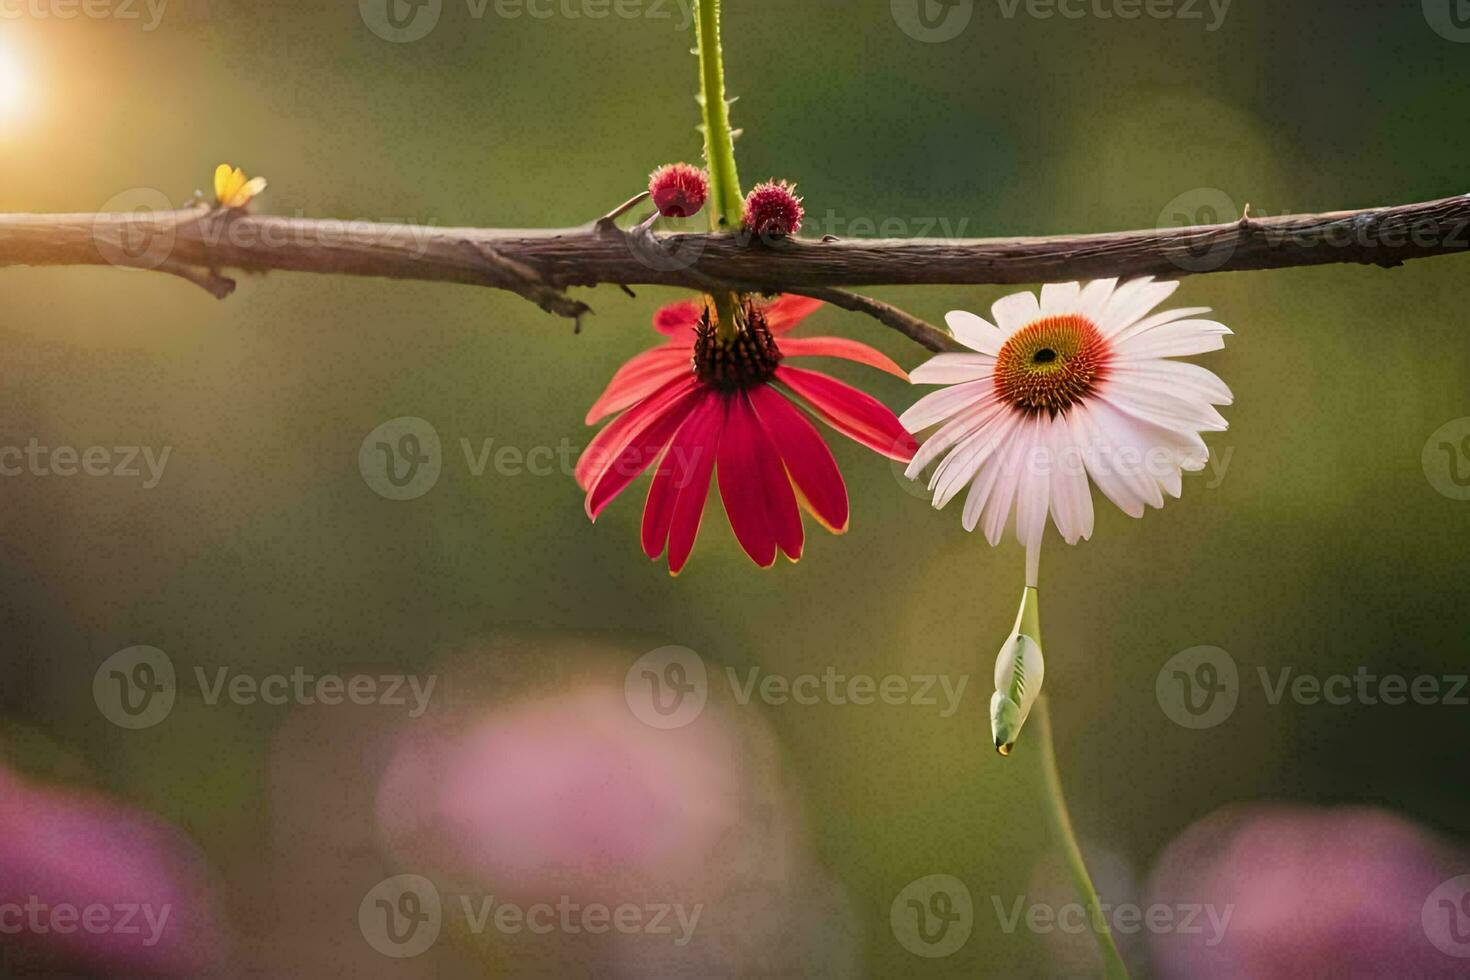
772	210
723	404
679	190
1079	383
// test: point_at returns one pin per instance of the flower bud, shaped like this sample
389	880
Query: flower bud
679	190
1019	672
772	210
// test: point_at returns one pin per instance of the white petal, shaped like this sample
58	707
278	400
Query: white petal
1097	451
949	434
1158	320
1181	338
940	405
1155	454
1132	302
1060	298
1163	408
991	474
1008	481
1032	504
975	332
1127	446
962	464
1015	311
1094	298
1071	497
1181	377
948	369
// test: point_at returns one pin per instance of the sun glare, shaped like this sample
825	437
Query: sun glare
14	96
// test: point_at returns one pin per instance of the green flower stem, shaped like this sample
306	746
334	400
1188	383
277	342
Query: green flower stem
1061	824
726	201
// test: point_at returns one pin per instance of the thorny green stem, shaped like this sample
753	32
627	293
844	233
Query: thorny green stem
719	145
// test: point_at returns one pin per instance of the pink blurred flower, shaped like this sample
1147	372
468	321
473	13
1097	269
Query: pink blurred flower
1315	893
567	795
90	884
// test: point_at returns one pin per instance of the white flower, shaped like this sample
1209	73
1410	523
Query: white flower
1077	384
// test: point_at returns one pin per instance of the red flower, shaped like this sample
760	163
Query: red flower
700	405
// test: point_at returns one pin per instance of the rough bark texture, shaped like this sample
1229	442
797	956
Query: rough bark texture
196	243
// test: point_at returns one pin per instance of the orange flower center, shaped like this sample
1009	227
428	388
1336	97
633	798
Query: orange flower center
1051	364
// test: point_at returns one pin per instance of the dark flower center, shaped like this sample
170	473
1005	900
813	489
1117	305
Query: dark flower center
748	358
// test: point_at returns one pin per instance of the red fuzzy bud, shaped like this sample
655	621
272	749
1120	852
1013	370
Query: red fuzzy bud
679	190
773	210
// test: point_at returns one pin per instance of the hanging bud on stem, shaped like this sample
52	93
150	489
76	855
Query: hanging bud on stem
1019	671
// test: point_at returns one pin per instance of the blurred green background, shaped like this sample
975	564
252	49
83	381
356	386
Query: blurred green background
1322	546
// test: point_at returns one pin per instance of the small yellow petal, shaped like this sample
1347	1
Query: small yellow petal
252	188
221	181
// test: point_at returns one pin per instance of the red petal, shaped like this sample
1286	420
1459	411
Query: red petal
678	320
606	445
849	350
676	470
814	472
639	453
785	312
742	485
781	506
855	414
689	508
640	377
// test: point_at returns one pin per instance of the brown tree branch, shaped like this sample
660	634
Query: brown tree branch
919	331
542	264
